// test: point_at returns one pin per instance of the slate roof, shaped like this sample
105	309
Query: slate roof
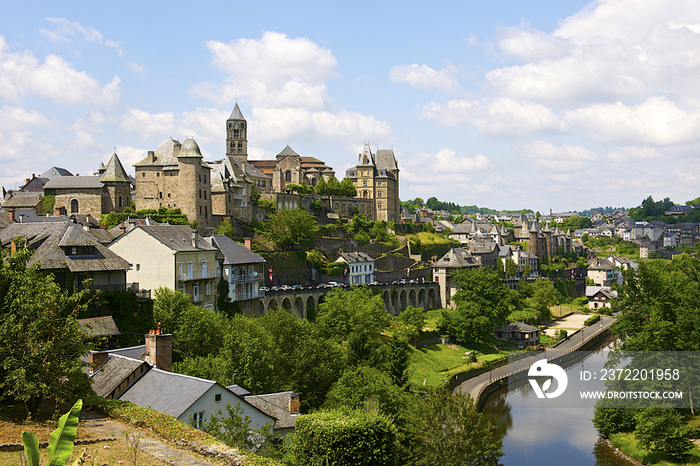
72	182
238	390
53	172
288	151
133	352
112	373
189	149
604	290
176	237
354	257
234	253
22	199
99	326
114	171
45	238
386	160
517	327
236	114
275	405
167	392
600	264
163	156
458	258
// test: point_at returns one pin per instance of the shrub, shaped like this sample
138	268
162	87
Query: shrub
592	320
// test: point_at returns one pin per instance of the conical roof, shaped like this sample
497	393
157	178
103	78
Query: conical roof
236	114
114	171
190	149
288	151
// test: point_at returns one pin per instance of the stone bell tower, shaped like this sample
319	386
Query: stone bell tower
236	136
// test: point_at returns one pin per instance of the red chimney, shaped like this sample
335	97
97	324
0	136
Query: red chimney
12	215
159	349
248	242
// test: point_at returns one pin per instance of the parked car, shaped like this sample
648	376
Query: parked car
297	287
275	288
322	285
285	287
334	284
263	289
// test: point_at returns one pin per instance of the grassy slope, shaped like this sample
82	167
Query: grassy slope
628	444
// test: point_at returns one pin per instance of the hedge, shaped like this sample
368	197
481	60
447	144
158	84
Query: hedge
592	320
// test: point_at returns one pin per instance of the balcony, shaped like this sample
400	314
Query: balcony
198	276
245	278
246	296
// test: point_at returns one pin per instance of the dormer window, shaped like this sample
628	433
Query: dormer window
80	250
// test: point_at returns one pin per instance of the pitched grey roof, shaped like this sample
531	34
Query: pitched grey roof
133	352
517	327
288	151
167	392
114	171
68	182
54	172
99	326
176	237
604	290
238	390
236	114
233	252
112	373
22	199
275	405
386	160
163	156
46	238
355	257
458	258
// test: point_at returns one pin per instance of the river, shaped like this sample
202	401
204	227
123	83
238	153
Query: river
535	436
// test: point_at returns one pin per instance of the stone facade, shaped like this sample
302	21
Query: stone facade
543	242
290	167
377	177
175	176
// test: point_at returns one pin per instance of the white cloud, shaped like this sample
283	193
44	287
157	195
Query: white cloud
136	68
531	44
128	155
445	166
655	121
205	125
424	77
634	154
67	29
21	75
501	116
17	138
558	159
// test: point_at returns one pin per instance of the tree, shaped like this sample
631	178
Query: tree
287	228
299	188
511	268
234	429
527	270
226	228
450	431
347	188
41	341
321	187
334	186
663	429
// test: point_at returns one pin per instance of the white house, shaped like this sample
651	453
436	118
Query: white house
360	267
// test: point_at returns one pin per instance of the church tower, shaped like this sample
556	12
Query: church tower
236	136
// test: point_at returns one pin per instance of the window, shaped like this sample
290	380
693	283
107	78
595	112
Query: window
179	270
198	419
288	176
199	177
205	211
143	174
138	267
195	291
217	397
364	183
204	269
205	178
380	206
200	193
157	174
236	133
189	270
205	195
379	194
208	288
119	201
74	206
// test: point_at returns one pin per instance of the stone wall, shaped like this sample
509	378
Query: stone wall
89	200
331	246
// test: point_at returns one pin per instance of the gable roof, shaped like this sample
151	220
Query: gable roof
275	405
604	290
68	182
28	199
113	372
47	238
288	151
458	258
517	327
163	156
54	172
175	237
99	326
233	252
114	171
354	257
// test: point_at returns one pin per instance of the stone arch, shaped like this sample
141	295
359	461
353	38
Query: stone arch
432	300
412	298
394	300
74	206
272	304
343	210
286	304
387	302
299	307
364	194
421	298
402	299
310	308
261	306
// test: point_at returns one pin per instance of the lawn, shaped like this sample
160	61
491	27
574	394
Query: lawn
436	363
628	444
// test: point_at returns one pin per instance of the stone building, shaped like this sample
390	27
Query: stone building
543	242
290	167
377	177
108	191
175	176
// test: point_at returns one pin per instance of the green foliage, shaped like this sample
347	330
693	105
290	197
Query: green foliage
345	438
450	431
132	316
287	228
591	320
60	440
267	205
511	268
315	258
226	228
651	210
663	429
329	230
299	188
347	188
254	194
41	341
321	187
414	316
234	429
49	203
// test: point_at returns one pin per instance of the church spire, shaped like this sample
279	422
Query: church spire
236	136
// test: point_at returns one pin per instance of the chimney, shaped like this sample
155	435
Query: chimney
26	181
159	349
176	148
12	215
151	157
60	210
21	218
33	176
97	358
294	403
122	228
195	239
248	242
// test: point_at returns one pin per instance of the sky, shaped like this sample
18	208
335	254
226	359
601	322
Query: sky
562	105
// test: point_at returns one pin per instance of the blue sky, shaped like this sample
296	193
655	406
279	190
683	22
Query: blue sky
542	104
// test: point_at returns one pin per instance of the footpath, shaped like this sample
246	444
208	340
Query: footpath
106	428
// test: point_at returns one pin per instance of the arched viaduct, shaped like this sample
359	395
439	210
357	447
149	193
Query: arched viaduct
396	297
